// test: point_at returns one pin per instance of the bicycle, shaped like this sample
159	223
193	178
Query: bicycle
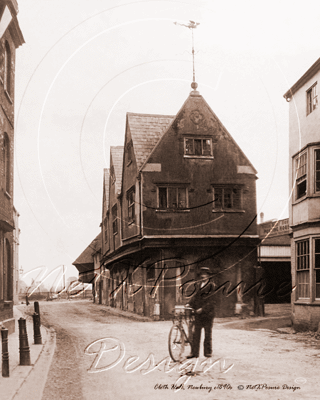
181	333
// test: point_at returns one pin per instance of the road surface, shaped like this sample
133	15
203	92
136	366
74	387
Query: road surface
103	356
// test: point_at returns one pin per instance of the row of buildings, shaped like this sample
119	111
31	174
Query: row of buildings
10	39
181	194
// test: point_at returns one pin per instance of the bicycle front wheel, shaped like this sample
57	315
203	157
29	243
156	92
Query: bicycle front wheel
176	343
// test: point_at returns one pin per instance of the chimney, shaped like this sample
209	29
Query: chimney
261	217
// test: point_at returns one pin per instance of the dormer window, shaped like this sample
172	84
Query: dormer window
198	147
312	99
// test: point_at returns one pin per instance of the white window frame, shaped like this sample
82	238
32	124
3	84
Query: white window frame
304	262
301	173
312	98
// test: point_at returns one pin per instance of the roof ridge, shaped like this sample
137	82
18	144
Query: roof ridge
150	115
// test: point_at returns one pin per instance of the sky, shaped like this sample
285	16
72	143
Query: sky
86	63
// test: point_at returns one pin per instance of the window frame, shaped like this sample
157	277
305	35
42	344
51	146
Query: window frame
105	227
176	188
316	170
315	269
194	155
303	177
131	205
303	259
312	98
6	161
223	208
115	219
7	68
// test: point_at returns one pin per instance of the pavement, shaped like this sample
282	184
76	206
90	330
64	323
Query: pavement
28	382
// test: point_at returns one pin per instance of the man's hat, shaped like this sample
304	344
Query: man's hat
205	269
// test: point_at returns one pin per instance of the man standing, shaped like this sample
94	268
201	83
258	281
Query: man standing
203	304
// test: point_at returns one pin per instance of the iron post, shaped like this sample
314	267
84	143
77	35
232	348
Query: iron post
5	353
24	349
36	329
37	309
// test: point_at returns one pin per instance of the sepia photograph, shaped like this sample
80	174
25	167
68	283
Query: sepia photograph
159	200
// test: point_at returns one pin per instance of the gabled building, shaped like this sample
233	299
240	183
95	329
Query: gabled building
181	195
10	39
304	211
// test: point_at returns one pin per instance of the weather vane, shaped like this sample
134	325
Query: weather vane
192	25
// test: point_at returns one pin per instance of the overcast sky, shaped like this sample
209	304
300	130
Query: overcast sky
86	63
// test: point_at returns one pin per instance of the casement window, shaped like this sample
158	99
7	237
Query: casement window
198	147
317	170
131	205
6	160
301	175
227	198
105	227
303	269
317	267
7	68
129	152
172	198
312	99
115	219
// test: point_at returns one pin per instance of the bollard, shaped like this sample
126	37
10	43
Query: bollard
5	353
36	329
24	349
37	310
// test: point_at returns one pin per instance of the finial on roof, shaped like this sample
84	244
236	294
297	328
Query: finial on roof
192	25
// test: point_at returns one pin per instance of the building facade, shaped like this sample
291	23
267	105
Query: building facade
180	194
304	178
10	39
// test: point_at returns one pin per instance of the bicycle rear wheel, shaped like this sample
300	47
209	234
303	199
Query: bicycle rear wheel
176	343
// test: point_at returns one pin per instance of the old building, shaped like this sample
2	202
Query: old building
10	39
88	265
178	195
274	255
304	178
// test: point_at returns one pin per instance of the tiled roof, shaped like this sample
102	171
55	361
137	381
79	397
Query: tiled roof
146	130
86	257
117	156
